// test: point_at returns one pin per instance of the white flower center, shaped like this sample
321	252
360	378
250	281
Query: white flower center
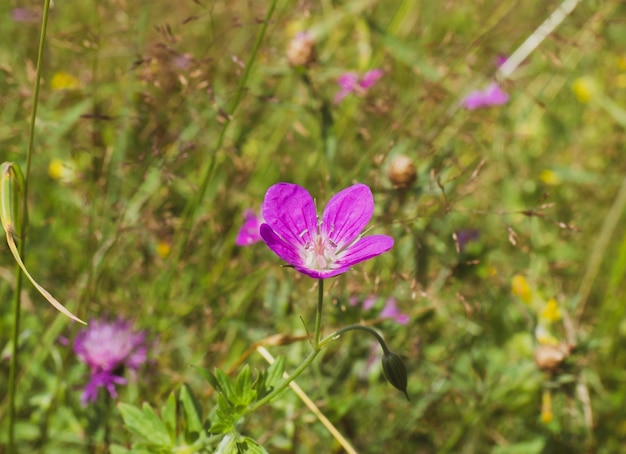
321	253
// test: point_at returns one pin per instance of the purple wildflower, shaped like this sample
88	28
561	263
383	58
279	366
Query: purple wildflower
249	231
350	83
464	237
391	311
108	348
25	15
500	60
326	248
493	95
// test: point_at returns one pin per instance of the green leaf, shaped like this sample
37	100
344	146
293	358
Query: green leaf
11	193
193	414
275	372
145	423
168	415
208	376
244	391
234	443
225	383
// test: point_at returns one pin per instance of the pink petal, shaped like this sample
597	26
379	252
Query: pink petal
391	311
249	232
494	96
322	274
366	248
348	81
290	212
347	214
286	251
490	96
370	78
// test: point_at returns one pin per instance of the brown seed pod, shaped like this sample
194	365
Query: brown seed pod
550	357
301	50
401	172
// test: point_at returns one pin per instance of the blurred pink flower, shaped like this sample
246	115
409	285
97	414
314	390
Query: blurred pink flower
493	95
249	231
109	348
501	60
25	15
391	311
351	83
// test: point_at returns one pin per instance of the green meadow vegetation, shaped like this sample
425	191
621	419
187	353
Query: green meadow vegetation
158	125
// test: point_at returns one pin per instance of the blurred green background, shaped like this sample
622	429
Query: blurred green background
142	172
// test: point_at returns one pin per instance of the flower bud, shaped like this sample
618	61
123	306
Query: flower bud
301	50
401	171
395	372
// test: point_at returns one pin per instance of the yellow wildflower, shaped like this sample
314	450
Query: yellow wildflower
63	81
549	177
521	288
60	170
544	337
546	407
163	249
550	312
585	89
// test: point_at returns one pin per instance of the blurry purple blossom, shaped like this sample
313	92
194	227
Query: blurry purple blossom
493	95
326	247
350	83
466	236
391	311
501	60
25	15
109	348
249	232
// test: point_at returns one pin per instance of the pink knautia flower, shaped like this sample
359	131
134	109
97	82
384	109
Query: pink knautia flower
350	83
109	348
493	95
249	232
320	248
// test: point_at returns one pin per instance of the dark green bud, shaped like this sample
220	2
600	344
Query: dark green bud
395	372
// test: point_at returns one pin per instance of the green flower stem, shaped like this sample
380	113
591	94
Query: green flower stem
317	348
334	336
16	306
318	315
285	384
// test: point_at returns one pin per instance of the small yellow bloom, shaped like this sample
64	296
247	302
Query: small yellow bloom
621	63
60	170
585	89
549	177
163	249
544	337
521	288
550	312
546	407
63	81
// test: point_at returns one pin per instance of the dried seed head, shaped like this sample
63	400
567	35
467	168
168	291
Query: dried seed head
550	357
401	171
301	50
